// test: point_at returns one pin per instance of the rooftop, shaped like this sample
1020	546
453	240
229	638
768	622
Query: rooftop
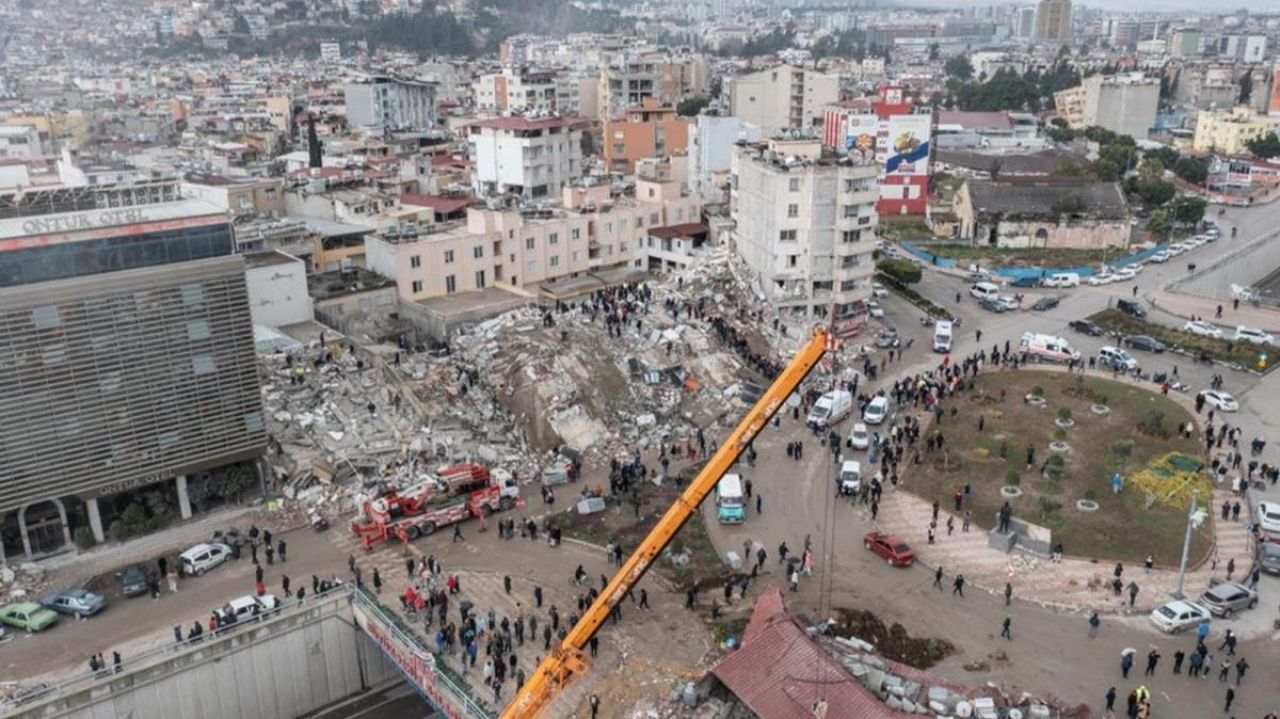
340	283
524	123
1048	197
254	260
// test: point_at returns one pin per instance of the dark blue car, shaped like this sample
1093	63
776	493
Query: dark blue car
1026	281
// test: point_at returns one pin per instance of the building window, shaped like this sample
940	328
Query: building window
450	284
45	318
639	222
849	261
553	238
848	285
850	211
653	218
575	255
608	228
198	330
864	220
793	184
528	243
848	236
416	286
415	262
203	365
619	149
793	260
679	213
787	236
448	257
793	210
575	233
555	260
477	251
479	279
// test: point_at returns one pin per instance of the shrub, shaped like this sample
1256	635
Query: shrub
1055	460
1012	478
904	271
1091	495
1100	399
1123	447
1037	391
84	538
1064	414
1048	506
1059	434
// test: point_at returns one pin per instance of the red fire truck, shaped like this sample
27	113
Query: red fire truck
457	493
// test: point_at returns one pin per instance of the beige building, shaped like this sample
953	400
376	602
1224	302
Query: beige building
781	98
507	246
532	158
238	196
1228	132
805	225
1124	104
1053	20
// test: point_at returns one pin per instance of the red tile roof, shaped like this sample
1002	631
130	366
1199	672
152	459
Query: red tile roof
779	672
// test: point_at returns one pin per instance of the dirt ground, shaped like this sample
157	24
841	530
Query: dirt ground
892	642
1099	447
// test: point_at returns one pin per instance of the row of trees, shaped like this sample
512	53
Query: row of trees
1031	91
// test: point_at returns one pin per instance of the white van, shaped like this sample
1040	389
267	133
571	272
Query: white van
984	291
942	336
730	502
877	410
1062	279
1048	348
850	479
831	408
203	557
1116	358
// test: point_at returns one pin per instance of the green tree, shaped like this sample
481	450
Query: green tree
1266	147
1167	156
1192	169
692	105
1188	210
933	52
903	271
958	67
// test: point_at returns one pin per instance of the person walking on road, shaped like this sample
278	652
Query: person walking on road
1094	623
1004	628
1153	658
1008	593
280	548
957	586
1126	663
937	578
1133	592
1111	701
1231	697
377	581
457	533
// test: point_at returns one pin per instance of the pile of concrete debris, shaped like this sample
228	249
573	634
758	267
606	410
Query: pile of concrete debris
24	582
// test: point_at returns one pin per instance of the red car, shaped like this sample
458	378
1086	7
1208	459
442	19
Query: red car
894	550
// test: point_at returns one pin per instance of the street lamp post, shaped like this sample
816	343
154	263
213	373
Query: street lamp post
1192	519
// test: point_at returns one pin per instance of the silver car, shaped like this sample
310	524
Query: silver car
76	602
1227	598
1269	557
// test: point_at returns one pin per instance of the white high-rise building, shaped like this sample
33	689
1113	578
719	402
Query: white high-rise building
783	97
383	101
805	224
532	158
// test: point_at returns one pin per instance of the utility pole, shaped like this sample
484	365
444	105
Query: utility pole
1193	519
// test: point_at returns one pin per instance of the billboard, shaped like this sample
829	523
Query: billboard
860	135
1273	102
905	149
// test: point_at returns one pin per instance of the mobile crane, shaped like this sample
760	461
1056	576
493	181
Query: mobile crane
565	662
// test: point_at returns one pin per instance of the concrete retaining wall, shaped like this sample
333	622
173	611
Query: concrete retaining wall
279	669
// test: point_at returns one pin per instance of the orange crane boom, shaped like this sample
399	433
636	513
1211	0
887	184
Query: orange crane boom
566	661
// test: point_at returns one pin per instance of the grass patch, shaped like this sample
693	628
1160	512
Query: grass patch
1028	257
1228	351
1124	528
910	295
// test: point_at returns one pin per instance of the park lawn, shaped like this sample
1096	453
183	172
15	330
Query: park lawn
1224	350
1123	529
1029	257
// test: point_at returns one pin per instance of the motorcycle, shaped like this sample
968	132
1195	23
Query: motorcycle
926	321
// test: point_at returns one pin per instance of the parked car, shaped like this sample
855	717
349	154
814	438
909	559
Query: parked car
1254	335
1116	358
1132	308
1026	281
77	602
1227	598
1178	615
859	437
1085	327
1269	516
231	537
244	608
133	580
1145	343
203	557
888	339
1160	257
1102	278
1125	274
1009	303
1220	401
877	410
1045	303
992	305
1269	557
875	310
1203	329
892	550
878	290
27	615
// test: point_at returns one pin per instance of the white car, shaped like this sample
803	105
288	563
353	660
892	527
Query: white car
878	290
1269	516
1102	278
1175	250
877	410
1126	274
1220	401
1254	335
875	310
1009	303
859	437
1160	257
1178	615
203	557
244	608
1204	329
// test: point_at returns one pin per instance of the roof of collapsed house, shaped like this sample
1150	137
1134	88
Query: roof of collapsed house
1048	197
780	671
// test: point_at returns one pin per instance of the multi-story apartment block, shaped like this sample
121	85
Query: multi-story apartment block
780	98
630	82
127	344
504	244
387	102
1053	20
20	142
532	158
804	224
239	197
710	146
517	90
1124	104
651	130
1229	132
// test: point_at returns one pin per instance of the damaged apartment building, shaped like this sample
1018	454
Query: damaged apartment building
804	225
